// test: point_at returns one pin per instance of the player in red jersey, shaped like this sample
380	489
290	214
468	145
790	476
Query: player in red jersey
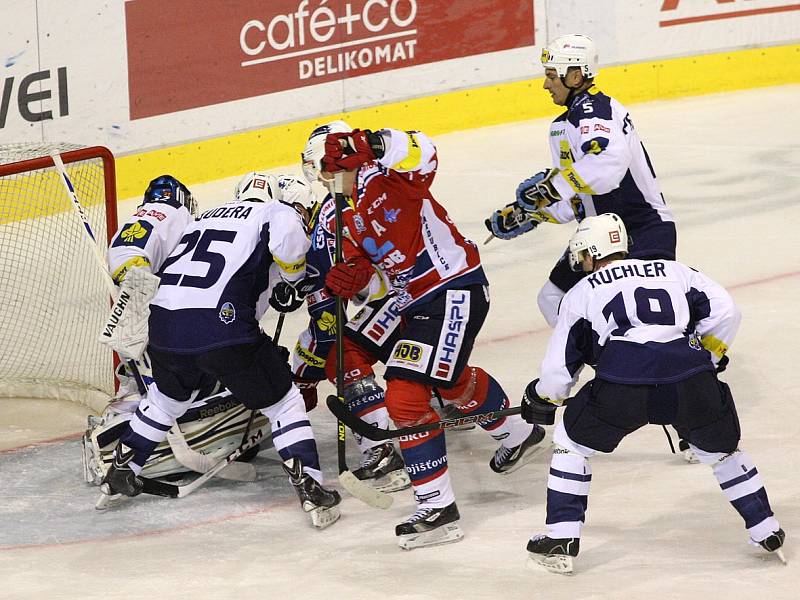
398	234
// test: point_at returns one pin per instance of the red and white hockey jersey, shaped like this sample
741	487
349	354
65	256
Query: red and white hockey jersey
397	224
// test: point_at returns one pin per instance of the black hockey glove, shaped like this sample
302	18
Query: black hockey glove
509	222
536	409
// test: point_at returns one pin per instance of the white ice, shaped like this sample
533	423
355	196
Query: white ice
656	527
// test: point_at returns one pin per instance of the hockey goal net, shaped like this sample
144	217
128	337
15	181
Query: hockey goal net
53	300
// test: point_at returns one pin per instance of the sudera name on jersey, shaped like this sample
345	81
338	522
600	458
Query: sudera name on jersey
604	167
639	322
211	283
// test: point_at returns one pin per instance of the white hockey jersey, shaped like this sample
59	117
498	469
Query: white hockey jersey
211	282
147	238
639	322
604	168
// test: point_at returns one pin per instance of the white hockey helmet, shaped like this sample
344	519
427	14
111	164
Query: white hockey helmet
257	186
315	148
573	50
296	190
598	236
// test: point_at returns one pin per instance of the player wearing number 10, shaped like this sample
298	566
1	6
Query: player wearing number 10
654	330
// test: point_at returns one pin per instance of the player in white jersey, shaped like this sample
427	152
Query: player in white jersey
599	166
654	331
204	328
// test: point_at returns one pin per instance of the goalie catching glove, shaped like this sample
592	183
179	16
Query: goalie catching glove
536	409
126	329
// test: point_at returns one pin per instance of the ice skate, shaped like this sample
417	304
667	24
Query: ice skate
688	454
507	460
384	469
120	481
773	544
552	555
429	527
320	503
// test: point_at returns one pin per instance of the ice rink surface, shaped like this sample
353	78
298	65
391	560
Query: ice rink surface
729	166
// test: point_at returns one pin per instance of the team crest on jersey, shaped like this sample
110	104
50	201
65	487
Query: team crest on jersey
227	314
359	223
135	234
391	214
327	322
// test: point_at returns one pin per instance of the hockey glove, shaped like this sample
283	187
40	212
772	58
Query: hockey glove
510	221
722	363
538	192
287	297
348	151
308	389
536	409
348	278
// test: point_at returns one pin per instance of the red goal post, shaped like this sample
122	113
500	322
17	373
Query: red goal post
53	300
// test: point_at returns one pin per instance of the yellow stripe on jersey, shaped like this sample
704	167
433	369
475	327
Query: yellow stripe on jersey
291	268
576	182
414	158
137	261
714	345
311	359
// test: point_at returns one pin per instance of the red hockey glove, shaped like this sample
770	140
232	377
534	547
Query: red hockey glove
308	389
348	278
348	151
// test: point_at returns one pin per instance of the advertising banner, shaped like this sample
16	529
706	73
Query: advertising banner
218	51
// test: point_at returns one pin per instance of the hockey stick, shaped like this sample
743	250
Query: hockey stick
202	463
377	434
160	488
350	482
187	453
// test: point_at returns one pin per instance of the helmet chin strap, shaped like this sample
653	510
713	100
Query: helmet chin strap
573	90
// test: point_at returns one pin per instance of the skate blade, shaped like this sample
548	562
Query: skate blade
107	499
394	481
446	534
552	563
690	457
322	517
532	453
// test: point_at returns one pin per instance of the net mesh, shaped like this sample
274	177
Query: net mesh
52	296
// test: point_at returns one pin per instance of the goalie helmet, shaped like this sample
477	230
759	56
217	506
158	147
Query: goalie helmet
598	236
169	190
573	50
256	186
315	148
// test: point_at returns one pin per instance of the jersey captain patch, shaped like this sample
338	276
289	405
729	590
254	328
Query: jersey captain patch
135	234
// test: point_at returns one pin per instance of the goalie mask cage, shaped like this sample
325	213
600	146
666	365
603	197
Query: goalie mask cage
53	300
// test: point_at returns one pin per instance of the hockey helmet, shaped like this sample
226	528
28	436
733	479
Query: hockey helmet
169	190
257	186
573	50
598	236
315	148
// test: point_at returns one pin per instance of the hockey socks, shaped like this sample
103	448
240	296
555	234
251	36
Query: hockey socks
740	482
292	433
367	401
425	455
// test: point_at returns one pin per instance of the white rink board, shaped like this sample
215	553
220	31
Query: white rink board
656	528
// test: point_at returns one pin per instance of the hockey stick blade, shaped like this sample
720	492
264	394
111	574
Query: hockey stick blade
202	463
377	434
160	488
364	492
